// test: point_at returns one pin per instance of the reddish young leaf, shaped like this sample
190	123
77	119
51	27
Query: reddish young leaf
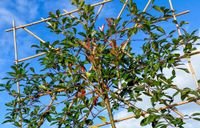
83	69
83	92
95	100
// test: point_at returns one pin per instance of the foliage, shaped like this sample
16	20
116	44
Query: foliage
95	69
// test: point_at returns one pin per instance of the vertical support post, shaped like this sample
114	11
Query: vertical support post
16	62
15	43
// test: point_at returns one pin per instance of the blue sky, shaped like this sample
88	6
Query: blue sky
26	11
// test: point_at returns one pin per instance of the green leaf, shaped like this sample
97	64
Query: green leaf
160	29
198	119
195	114
185	92
173	72
52	15
137	113
58	13
199	81
88	74
89	122
103	119
32	69
175	21
49	118
43	87
184	69
148	120
7	121
182	23
157	8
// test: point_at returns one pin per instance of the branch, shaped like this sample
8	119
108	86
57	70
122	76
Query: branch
189	55
46	111
107	103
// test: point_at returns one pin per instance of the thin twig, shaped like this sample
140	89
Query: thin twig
41	121
65	116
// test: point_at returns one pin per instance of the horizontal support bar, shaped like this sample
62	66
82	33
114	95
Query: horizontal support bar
178	14
47	19
189	54
31	57
37	55
40	54
145	113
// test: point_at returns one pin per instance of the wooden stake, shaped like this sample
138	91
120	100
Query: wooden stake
34	35
147	5
120	13
178	112
18	84
31	57
99	11
16	52
46	22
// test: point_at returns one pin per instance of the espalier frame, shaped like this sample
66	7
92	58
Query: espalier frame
101	4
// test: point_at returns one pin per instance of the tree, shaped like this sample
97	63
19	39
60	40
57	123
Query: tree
94	69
